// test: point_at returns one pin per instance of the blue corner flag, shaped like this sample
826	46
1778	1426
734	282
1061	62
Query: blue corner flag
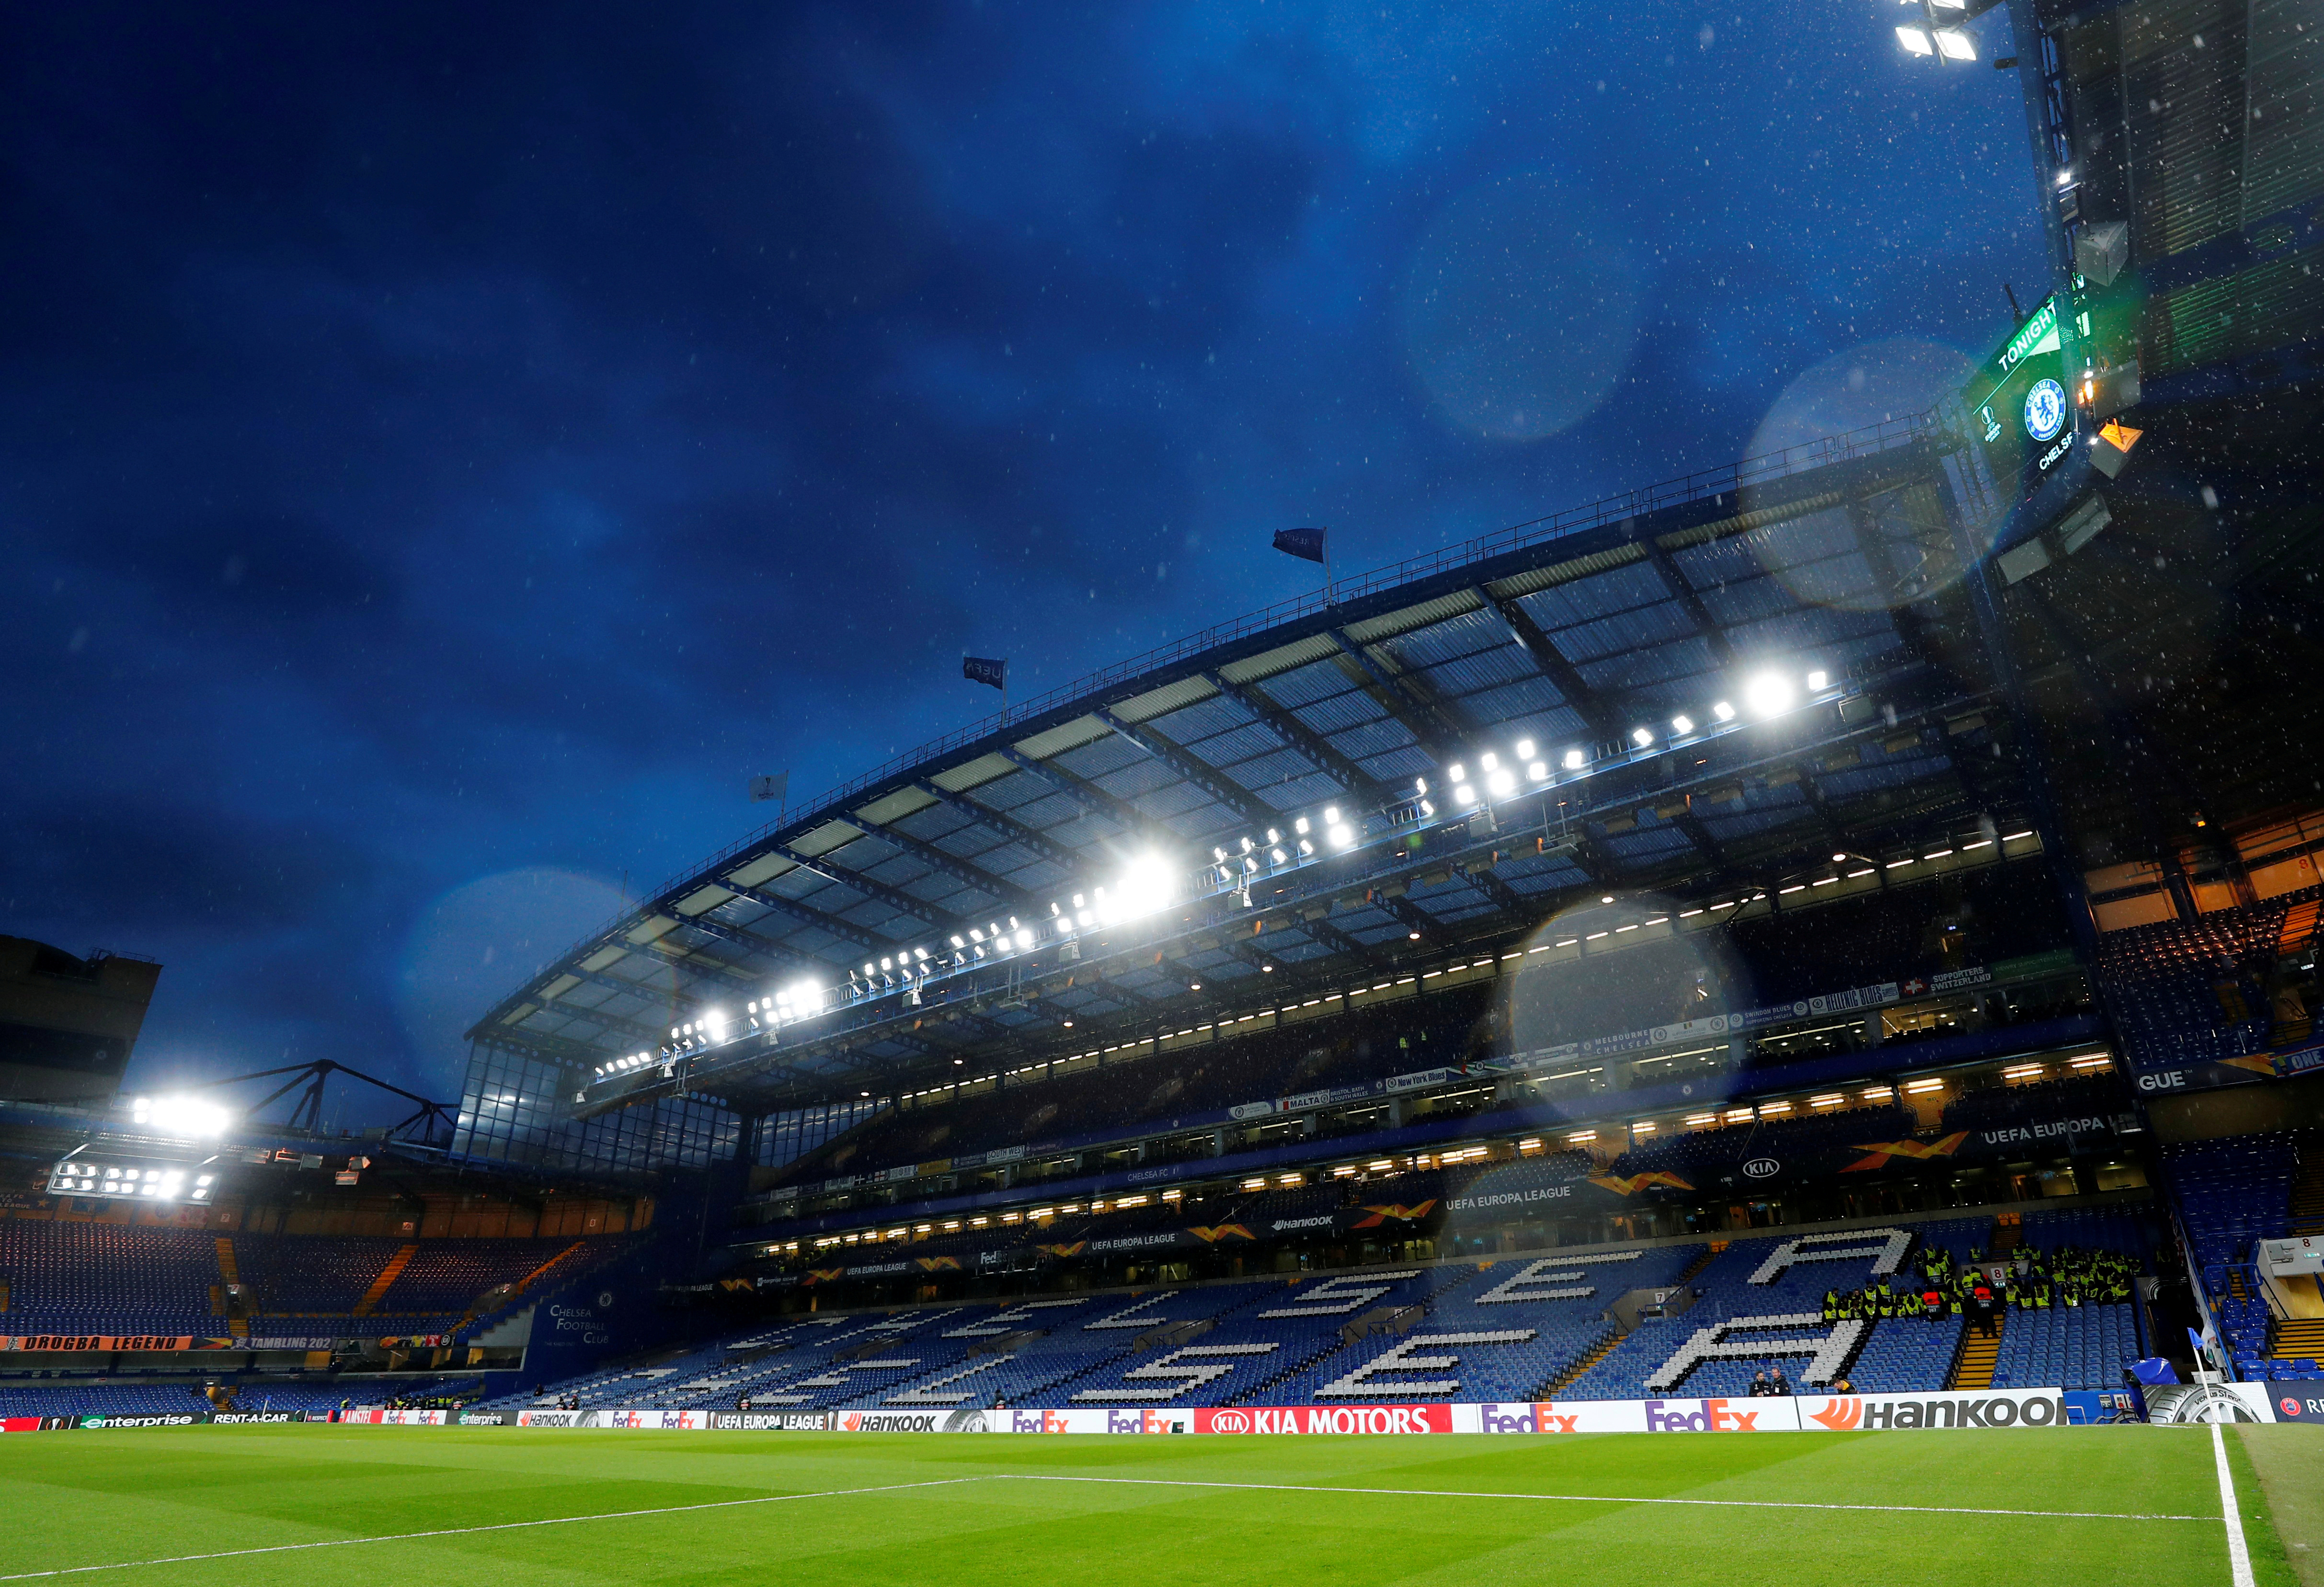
992	670
1307	544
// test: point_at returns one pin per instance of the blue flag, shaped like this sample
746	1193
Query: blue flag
1306	544
992	670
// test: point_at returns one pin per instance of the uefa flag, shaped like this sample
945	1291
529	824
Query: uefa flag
1306	544
992	671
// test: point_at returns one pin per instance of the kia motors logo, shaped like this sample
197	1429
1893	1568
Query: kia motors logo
1230	1421
1762	1168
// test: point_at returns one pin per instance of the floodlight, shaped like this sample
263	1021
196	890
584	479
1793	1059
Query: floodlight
1147	886
1465	794
1331	814
185	1116
1574	759
1458	772
1723	711
1274	835
1770	694
1819	679
1488	760
1955	44
1524	752
1278	855
1641	737
1538	771
1420	785
1502	782
1916	41
957	942
1342	835
1681	725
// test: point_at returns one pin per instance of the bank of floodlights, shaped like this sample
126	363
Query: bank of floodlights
1940	32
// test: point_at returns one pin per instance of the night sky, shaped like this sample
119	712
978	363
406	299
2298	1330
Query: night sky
444	452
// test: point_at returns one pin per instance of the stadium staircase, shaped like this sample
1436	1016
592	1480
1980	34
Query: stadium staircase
1694	1269
1973	1362
493	1300
1605	1347
387	1276
2296	1339
2303	923
225	1300
1565	1379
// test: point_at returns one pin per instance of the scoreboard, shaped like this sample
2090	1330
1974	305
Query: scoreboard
2021	408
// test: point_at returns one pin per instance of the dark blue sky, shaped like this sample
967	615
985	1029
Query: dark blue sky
444	452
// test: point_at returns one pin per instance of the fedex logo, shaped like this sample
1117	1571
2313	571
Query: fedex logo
1041	1421
1715	1415
1524	1418
1143	1422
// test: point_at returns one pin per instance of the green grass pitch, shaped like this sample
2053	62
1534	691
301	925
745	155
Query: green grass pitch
707	1508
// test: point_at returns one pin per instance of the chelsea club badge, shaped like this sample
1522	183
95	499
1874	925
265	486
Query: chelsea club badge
2045	410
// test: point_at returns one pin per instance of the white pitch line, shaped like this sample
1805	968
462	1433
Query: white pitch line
672	1510
2239	1571
1915	1510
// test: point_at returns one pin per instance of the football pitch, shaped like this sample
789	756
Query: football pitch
324	1504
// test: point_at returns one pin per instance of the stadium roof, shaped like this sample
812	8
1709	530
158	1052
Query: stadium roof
1712	682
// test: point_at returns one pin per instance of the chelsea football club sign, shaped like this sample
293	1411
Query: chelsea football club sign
2045	410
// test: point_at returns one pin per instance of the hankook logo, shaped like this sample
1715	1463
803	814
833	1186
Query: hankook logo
1762	1168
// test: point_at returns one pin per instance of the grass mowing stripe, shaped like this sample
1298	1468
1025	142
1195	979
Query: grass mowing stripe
2239	1569
1910	1510
669	1509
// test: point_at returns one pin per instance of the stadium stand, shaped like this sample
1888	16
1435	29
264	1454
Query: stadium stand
66	1278
2231	1193
2187	992
1117	1100
1687	1154
1505	1333
1990	1107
